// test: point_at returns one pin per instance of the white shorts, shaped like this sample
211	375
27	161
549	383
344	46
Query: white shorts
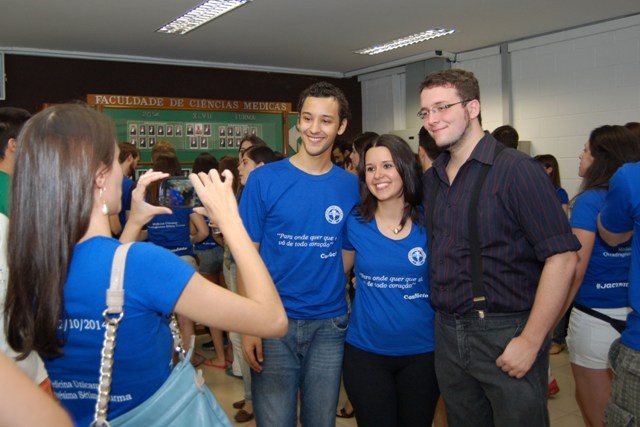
590	338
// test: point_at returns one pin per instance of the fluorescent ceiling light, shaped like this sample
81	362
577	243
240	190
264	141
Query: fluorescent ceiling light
405	41
200	15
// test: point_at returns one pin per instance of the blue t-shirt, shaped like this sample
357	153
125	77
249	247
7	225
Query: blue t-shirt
562	195
127	189
207	243
171	231
391	313
298	219
621	213
606	279
154	279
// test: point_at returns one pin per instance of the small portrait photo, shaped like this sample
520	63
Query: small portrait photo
229	130
204	142
186	172
152	130
152	141
238	131
189	129
193	142
238	140
199	129
160	130
178	130
143	142
169	130
133	141
207	129
222	130
223	143
133	130
143	130
254	131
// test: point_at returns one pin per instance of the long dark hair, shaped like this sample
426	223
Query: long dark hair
611	147
408	168
164	162
549	161
59	153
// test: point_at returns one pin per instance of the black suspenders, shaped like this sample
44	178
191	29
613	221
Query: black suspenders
479	298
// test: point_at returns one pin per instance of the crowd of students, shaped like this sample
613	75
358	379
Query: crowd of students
464	257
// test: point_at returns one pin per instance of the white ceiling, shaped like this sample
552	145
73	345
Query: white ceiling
299	36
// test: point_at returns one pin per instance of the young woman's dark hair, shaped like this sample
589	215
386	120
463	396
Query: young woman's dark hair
204	162
255	141
230	163
167	163
549	161
74	142
262	154
408	168
611	147
361	140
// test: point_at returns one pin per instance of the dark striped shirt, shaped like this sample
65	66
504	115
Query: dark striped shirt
521	225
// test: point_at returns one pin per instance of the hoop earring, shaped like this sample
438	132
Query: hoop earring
105	208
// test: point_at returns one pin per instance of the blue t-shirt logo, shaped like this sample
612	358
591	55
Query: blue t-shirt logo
417	256
333	214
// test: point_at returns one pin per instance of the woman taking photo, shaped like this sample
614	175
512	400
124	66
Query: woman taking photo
389	370
602	274
67	182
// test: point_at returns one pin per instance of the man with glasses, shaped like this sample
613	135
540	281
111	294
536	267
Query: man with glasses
501	262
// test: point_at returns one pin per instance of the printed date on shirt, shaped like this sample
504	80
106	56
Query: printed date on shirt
81	324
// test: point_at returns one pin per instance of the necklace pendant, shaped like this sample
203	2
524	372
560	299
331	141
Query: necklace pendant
397	230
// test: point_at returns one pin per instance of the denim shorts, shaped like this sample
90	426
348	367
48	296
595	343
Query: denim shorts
210	260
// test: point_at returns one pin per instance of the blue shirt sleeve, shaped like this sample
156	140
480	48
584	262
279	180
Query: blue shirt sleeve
616	213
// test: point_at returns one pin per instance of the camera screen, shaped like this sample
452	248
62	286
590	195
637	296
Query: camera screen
178	192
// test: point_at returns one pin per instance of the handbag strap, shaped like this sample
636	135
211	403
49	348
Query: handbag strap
112	316
618	325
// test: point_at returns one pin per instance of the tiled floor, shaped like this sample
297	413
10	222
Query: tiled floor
563	409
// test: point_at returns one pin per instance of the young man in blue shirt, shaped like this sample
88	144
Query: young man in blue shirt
295	211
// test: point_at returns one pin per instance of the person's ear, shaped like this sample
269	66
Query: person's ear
421	153
473	107
11	145
101	176
343	126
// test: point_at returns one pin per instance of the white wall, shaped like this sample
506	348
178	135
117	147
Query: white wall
562	86
383	101
567	84
485	64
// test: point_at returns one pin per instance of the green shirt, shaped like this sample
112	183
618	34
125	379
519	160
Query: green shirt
5	193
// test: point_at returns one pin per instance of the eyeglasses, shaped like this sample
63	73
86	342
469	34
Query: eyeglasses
422	114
